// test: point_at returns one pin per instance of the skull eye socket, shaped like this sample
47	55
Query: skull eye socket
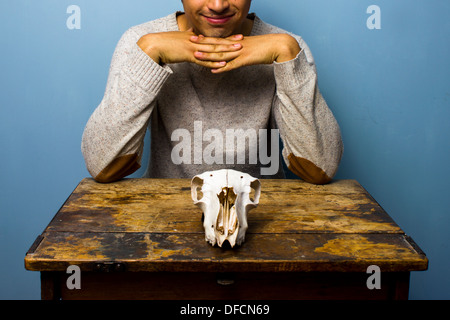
199	193
255	189
196	188
252	194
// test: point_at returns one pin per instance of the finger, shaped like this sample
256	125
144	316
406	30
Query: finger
212	48
222	69
215	56
200	39
231	65
211	64
235	37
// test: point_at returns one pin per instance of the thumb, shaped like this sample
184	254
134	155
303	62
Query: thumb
236	37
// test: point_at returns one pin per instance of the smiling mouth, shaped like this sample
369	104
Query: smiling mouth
218	19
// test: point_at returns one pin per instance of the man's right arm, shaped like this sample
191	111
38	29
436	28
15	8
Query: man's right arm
112	141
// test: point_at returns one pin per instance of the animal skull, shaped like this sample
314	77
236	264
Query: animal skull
225	204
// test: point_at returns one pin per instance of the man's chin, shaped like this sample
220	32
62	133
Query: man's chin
216	33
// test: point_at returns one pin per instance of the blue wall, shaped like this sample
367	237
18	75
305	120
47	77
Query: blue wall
388	88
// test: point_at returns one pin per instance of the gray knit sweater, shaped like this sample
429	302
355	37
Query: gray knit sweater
192	115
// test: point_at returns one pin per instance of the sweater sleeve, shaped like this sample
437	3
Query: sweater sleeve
113	138
312	144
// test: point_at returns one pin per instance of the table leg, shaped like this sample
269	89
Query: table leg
50	287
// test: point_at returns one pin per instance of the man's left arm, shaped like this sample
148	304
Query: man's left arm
311	136
310	133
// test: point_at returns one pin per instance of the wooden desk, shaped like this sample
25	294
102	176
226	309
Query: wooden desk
143	239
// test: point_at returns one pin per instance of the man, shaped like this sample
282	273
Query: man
195	76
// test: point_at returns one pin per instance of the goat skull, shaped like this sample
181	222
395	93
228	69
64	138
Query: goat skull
225	204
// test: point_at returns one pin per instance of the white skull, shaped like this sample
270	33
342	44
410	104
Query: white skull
225	204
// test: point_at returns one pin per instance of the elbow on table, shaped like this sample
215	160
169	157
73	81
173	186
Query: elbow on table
118	169
307	170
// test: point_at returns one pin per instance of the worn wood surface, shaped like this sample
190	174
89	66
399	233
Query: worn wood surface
153	225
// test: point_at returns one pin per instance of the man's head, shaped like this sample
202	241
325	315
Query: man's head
216	18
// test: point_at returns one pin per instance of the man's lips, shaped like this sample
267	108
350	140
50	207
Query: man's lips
218	19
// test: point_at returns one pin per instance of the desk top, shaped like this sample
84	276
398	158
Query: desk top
153	225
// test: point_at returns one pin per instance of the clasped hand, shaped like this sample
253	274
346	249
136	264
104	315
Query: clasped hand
218	54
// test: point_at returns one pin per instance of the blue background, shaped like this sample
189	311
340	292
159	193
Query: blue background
388	88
